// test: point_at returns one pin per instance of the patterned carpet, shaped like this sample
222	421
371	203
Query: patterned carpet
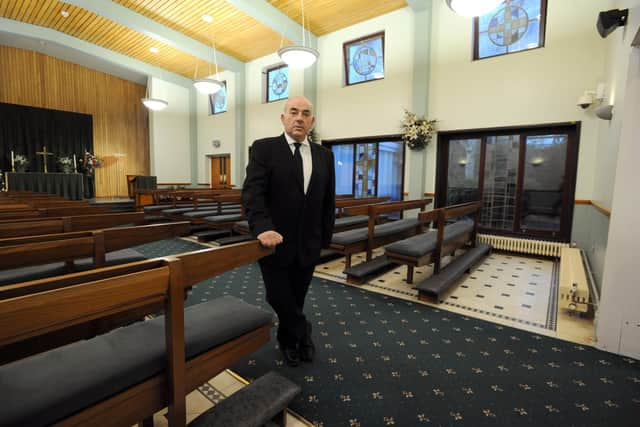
383	361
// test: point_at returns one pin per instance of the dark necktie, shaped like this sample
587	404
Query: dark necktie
297	164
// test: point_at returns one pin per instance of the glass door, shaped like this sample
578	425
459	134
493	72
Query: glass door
463	172
366	170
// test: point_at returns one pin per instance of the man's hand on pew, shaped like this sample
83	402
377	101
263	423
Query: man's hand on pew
270	238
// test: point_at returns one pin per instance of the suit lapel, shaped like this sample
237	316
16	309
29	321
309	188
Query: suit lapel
316	166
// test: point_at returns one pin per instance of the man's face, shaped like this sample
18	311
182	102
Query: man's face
297	118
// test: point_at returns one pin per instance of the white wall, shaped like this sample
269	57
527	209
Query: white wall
531	87
216	127
263	120
618	323
169	131
372	108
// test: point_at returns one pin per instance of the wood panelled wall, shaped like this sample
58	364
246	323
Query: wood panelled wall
120	121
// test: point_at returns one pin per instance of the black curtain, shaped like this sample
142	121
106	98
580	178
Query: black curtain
26	130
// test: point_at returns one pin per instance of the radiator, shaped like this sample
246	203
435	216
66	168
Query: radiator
574	288
523	246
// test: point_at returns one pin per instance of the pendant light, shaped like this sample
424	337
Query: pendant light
299	57
473	7
155	104
208	86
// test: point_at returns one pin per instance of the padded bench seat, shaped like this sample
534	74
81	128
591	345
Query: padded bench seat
34	272
220	219
417	246
206	213
361	234
50	386
350	221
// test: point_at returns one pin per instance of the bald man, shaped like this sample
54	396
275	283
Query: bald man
289	198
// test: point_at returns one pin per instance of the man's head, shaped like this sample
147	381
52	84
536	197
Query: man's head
297	118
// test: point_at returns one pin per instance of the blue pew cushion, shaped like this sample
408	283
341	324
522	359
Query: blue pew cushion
422	244
50	386
223	218
382	230
347	221
214	212
35	272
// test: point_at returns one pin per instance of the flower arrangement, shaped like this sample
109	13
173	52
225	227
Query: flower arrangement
312	136
417	131
89	163
21	162
65	164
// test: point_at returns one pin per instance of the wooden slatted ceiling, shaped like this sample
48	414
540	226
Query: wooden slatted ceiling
325	16
235	33
95	29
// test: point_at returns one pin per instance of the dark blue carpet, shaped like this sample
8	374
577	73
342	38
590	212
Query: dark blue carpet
383	361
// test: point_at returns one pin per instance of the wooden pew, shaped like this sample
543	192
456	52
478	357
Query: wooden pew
430	247
53	212
353	241
50	225
114	391
25	251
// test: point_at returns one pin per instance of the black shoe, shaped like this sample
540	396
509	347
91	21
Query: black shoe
291	355
307	349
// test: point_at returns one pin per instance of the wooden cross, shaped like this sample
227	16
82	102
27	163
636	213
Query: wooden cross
44	155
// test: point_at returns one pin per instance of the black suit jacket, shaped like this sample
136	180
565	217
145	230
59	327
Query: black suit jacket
274	199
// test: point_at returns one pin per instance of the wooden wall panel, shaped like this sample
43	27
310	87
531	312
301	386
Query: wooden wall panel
120	121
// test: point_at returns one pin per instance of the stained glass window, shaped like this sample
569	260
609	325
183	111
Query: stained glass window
513	26
277	83
218	100
364	59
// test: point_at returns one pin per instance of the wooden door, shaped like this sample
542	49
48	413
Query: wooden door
220	170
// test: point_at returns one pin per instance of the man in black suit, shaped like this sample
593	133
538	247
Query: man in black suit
289	198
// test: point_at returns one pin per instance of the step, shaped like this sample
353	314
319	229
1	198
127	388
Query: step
437	285
357	273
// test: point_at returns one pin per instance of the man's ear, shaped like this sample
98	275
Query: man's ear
282	118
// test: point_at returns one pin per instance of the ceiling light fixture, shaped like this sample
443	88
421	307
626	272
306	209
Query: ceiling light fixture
64	13
208	86
155	104
299	56
154	49
473	7
207	18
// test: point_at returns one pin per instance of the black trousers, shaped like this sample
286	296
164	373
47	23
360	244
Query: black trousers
286	289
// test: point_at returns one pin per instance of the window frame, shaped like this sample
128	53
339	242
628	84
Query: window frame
541	35
572	129
369	140
266	72
345	54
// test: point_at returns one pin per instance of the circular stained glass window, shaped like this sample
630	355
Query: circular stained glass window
508	25
365	60
279	83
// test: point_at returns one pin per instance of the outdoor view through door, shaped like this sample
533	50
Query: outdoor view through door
371	167
525	177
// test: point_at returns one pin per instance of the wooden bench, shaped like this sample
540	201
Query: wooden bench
56	254
375	235
36	226
126	375
431	246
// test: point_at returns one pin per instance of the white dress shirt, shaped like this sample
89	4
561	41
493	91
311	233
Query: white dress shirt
305	153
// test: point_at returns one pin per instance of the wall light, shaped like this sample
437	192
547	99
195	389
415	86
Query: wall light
537	161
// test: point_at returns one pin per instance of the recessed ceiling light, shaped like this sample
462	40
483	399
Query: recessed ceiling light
207	18
64	13
154	49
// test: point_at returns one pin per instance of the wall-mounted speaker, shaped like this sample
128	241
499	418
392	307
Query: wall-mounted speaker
609	20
